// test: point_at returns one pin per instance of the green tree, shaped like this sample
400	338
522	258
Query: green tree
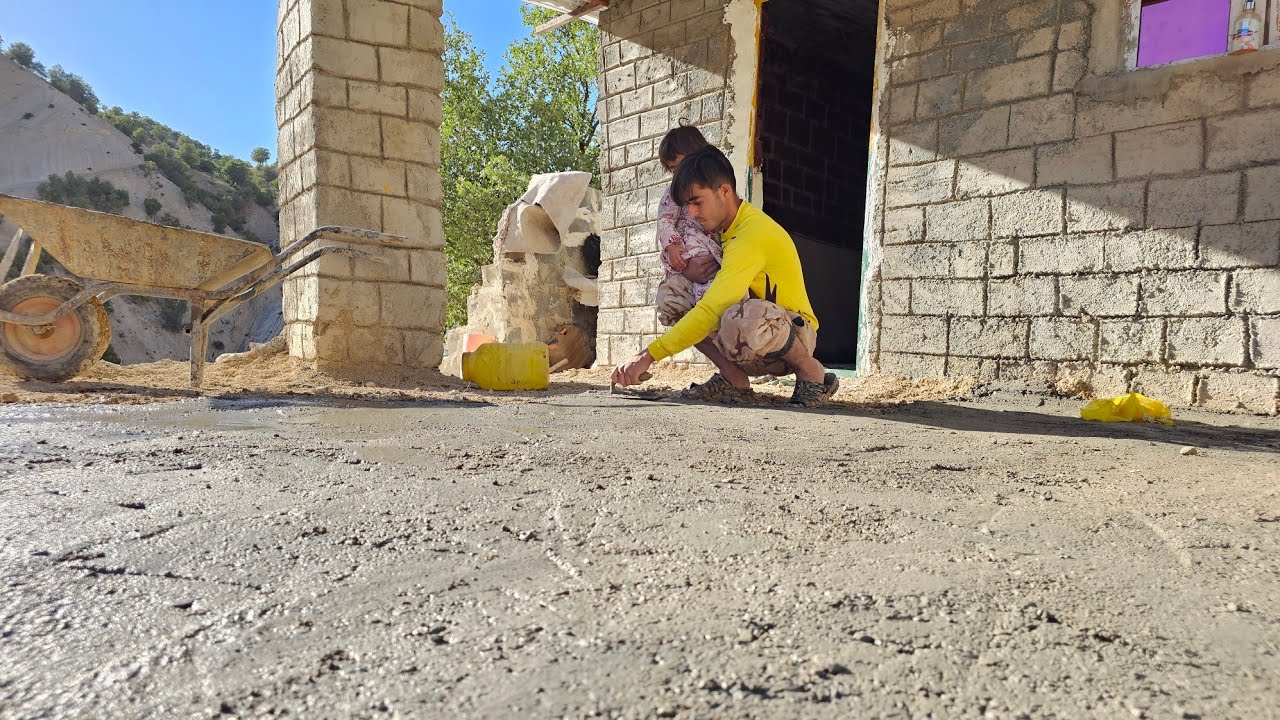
260	155
151	206
22	54
82	192
539	116
237	172
74	87
547	93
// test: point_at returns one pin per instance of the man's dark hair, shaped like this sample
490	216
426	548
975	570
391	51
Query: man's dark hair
707	167
684	140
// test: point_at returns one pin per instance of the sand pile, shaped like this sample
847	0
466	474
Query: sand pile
268	371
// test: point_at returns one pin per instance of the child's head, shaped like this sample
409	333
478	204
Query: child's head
678	143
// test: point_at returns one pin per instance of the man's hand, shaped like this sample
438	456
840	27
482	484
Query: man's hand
629	372
701	268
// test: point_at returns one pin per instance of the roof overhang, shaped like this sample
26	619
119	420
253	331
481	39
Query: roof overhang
571	10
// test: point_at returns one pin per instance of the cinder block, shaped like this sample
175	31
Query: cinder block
378	98
1099	295
426	32
1002	258
375	346
412	307
913	144
1173	388
1170	249
609	320
1104	207
969	259
938	96
916	261
383	177
427	267
1022	297
1238	392
942	297
996	174
379	23
1131	341
640	320
1077	162
416	142
1027	214
977	368
1060	255
996	51
989	337
895	297
1243	139
344	58
422	224
911	366
1069	67
1265	342
1207	341
902	104
1062	339
1042	120
1036	42
1243	245
1262	193
411	67
1183	294
1012	81
958	221
1166	150
1208	199
973	133
1257	291
919	184
914	334
1195	97
347	131
903	225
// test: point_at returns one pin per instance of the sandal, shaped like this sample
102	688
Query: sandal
812	394
717	388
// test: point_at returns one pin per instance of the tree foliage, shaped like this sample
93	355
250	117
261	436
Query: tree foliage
74	87
151	206
260	156
79	191
538	116
25	56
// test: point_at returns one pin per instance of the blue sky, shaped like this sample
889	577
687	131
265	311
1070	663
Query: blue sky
203	67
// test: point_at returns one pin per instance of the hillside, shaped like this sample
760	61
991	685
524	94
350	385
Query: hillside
44	132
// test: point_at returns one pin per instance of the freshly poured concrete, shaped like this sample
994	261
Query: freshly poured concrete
589	555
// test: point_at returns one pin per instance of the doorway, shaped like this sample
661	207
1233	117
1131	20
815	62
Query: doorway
817	70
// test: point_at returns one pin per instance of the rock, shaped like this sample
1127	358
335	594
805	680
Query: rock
9	397
1189	450
1233	607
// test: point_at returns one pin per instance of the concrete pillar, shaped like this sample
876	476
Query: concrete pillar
358	106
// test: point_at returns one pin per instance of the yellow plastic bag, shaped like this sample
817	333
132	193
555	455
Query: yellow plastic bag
1127	408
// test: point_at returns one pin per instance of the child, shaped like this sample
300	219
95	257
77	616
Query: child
679	236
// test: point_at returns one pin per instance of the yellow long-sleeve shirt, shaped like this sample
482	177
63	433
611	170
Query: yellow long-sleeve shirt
760	257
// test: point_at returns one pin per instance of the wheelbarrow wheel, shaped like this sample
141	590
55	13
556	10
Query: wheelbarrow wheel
55	352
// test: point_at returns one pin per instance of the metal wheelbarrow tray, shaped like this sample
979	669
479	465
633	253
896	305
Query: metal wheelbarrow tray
53	328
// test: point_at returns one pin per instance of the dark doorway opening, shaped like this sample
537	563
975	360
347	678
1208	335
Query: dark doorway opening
817	69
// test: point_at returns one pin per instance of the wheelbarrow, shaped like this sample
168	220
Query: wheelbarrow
53	328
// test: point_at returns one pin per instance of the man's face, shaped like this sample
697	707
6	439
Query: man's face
708	207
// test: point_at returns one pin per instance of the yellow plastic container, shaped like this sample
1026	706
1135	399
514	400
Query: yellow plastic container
507	366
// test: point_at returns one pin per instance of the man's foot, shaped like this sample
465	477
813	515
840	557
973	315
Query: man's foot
718	389
812	394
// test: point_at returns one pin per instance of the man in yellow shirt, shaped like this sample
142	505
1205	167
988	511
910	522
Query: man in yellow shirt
774	331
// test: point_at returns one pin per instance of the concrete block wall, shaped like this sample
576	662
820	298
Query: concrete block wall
358	106
1045	212
662	63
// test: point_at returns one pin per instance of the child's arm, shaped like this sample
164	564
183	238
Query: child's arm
669	240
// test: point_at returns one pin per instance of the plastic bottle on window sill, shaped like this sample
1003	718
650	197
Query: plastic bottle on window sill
1246	31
